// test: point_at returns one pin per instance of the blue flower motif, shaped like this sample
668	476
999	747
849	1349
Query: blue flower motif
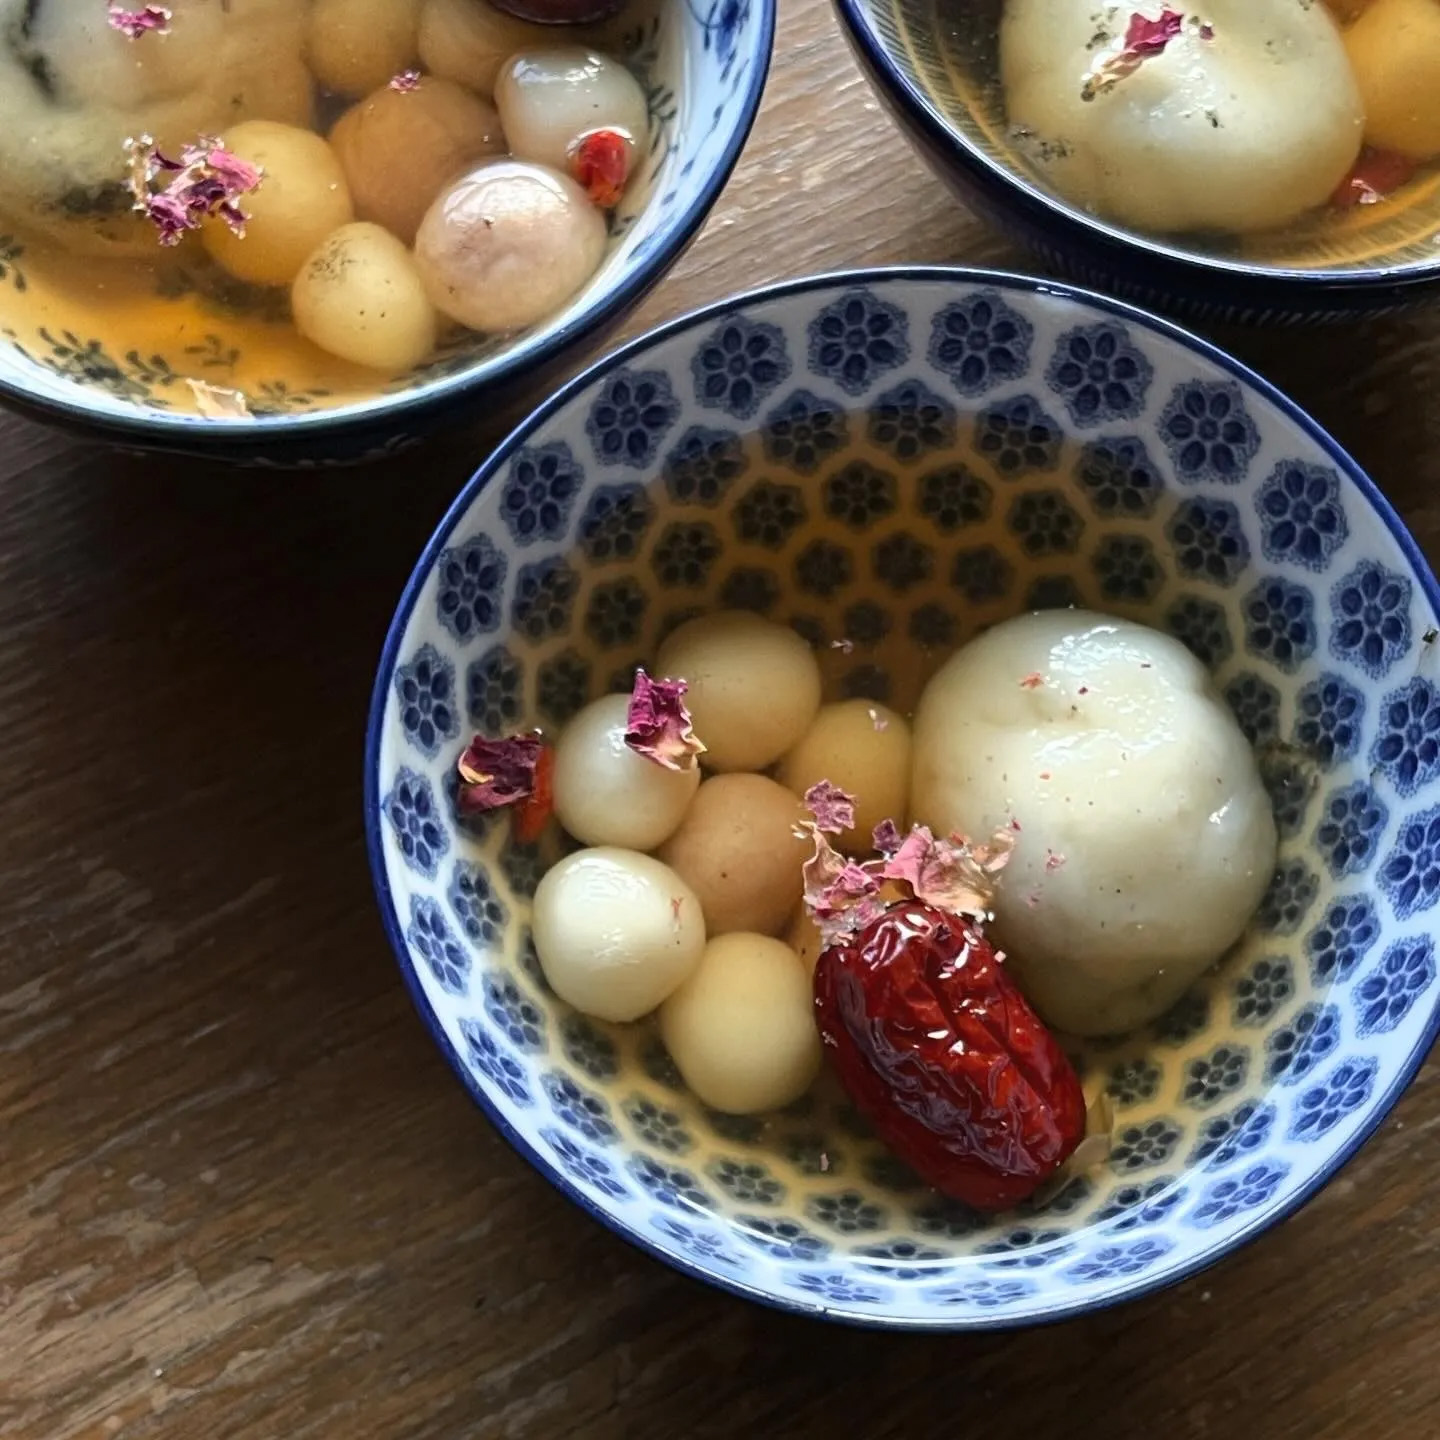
840	1289
544	596
1346	934
411	810
1044	523
953	497
769	514
782	1239
1292	891
702	1245
702	466
1025	1249
1372	618
1263	989
1209	1078
1280	622
911	419
1127	569
905	1260
1329	716
658	1125
670	1185
1351	825
430	938
1018	437
616	613
849	1212
804	431
1209	540
631	416
469	579
588	1048
1201	626
980	342
494	1062
746	588
901	562
980	574
822	568
1294	1050
425	690
1055	592
1131	1206
1407	747
738	365
585	1165
940	1215
932	627
857	338
523	866
1119	477
685	554
859	494
582	1110
993	1294
1302	518
517	1017
865	623
1402	975
478	909
1290	781
1322	1107
1099	374
1256	706
1224	1138
1138	1147
1114	1262
539	492
562	684
1235	1194
1133	1081
492	691
1188	1017
614	523
1209	433
1410	875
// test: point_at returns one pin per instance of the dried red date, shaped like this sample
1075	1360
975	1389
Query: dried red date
937	1046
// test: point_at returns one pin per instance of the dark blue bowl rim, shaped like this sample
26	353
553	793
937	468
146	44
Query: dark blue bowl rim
504	367
856	16
591	376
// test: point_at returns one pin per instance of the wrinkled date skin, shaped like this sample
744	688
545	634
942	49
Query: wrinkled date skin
944	1055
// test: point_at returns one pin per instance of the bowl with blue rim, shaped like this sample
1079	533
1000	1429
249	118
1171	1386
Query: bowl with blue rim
897	459
68	360
934	66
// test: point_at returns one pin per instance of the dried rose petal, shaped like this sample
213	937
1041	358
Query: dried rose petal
600	165
886	838
953	874
135	23
205	180
496	773
1144	39
218	402
832	807
1033	681
841	895
406	82
657	724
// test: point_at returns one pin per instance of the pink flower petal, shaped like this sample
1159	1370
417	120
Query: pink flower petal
833	809
657	724
135	23
495	773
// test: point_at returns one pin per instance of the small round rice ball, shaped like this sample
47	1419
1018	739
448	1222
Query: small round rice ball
615	931
864	748
741	1028
606	794
754	686
737	849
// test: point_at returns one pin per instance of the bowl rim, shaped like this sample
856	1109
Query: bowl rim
533	353
856	17
591	377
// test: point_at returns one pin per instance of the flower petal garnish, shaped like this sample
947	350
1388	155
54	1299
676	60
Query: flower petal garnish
886	837
1144	39
657	724
832	807
841	895
496	773
135	23
205	180
955	874
218	402
406	82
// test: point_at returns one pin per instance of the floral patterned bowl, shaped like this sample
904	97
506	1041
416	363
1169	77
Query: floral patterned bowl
897	459
120	369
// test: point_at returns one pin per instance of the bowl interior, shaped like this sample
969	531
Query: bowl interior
890	466
947	55
109	338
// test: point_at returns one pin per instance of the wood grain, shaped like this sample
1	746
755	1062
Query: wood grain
240	1194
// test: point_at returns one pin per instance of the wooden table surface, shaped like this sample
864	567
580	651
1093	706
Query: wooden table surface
240	1192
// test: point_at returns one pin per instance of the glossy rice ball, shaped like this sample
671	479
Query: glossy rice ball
615	931
741	1029
1394	48
605	793
737	849
354	46
302	197
507	245
754	686
359	296
549	98
864	748
400	149
469	40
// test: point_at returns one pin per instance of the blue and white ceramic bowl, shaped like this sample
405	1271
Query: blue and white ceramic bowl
933	65
899	458
703	65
